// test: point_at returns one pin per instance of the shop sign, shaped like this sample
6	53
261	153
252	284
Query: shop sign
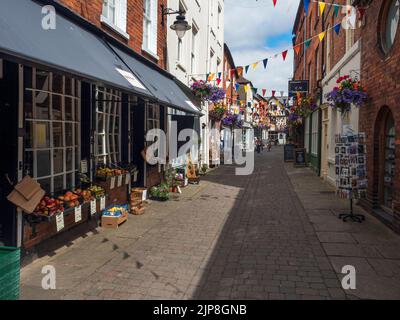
131	79
60	221
127	178
93	207
78	214
298	86
300	159
84	166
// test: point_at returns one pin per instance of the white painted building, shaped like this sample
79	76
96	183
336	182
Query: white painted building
332	120
199	53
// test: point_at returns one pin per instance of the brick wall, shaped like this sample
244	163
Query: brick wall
381	77
91	10
317	52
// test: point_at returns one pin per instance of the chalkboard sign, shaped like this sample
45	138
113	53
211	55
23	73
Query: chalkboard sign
288	153
300	159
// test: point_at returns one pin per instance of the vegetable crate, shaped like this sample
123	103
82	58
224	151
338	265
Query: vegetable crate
9	273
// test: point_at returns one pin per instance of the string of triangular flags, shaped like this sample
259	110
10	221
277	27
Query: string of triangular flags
212	76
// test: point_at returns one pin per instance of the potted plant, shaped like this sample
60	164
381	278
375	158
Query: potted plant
218	111
348	92
160	192
204	169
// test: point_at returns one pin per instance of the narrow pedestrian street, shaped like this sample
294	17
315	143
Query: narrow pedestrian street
270	235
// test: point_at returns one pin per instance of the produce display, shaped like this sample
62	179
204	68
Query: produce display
49	207
70	199
107	172
116	211
97	191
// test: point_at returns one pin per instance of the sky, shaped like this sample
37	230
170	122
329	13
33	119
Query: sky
255	30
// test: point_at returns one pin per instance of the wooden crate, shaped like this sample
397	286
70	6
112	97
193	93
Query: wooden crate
113	222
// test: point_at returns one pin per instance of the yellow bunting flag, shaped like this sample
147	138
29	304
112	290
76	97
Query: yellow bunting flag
211	77
254	65
321	7
321	36
246	88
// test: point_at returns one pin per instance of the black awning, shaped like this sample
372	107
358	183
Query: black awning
163	86
68	47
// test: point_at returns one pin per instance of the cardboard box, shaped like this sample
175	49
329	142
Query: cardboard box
26	195
110	222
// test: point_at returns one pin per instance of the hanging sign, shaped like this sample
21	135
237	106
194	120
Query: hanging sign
93	207
60	221
298	86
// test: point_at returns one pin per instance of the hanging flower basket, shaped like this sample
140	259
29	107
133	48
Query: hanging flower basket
232	120
348	93
208	92
218	112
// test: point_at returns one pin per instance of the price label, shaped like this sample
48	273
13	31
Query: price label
119	180
93	207
127	178
60	221
144	195
78	214
102	203
112	183
135	176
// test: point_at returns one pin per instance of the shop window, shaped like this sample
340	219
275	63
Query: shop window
49	129
389	24
389	162
150	26
114	14
107	134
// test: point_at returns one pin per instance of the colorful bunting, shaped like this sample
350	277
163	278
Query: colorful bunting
246	88
265	62
321	36
210	77
337	28
307	43
336	10
254	65
219	75
321	7
284	54
306	3
218	81
297	49
264	91
273	93
247	68
237	86
274	1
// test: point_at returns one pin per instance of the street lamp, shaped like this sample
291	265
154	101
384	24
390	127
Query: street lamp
180	25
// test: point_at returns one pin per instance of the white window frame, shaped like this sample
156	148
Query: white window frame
119	21
307	134
150	26
111	111
74	122
193	55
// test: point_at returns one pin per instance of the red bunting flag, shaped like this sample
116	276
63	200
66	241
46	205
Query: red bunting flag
264	91
218	81
232	73
284	54
273	93
274	1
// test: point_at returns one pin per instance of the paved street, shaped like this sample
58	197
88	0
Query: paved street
270	235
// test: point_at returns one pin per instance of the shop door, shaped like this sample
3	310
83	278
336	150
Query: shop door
9	149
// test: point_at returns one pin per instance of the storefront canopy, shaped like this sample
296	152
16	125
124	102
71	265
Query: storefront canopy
73	49
162	86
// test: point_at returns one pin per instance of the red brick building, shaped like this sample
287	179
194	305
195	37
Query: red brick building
230	77
380	118
126	23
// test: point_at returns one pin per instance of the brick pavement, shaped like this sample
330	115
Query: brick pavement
231	237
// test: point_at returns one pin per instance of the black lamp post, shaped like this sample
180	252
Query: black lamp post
180	25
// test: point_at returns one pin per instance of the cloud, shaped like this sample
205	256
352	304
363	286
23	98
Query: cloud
255	30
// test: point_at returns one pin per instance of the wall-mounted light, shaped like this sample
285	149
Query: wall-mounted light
180	25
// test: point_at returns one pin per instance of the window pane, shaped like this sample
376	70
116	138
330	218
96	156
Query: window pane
68	86
42	80
77	134
28	163
100	147
59	184
28	139
57	107
45	184
68	134
43	163
77	158
77	113
57	83
28	104
100	122
58	135
42	134
42	105
28	77
69	159
58	160
392	23
70	185
68	109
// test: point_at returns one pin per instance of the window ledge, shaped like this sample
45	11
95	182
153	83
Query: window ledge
109	24
180	66
151	53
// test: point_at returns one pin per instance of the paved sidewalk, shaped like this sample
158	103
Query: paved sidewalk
231	237
372	248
